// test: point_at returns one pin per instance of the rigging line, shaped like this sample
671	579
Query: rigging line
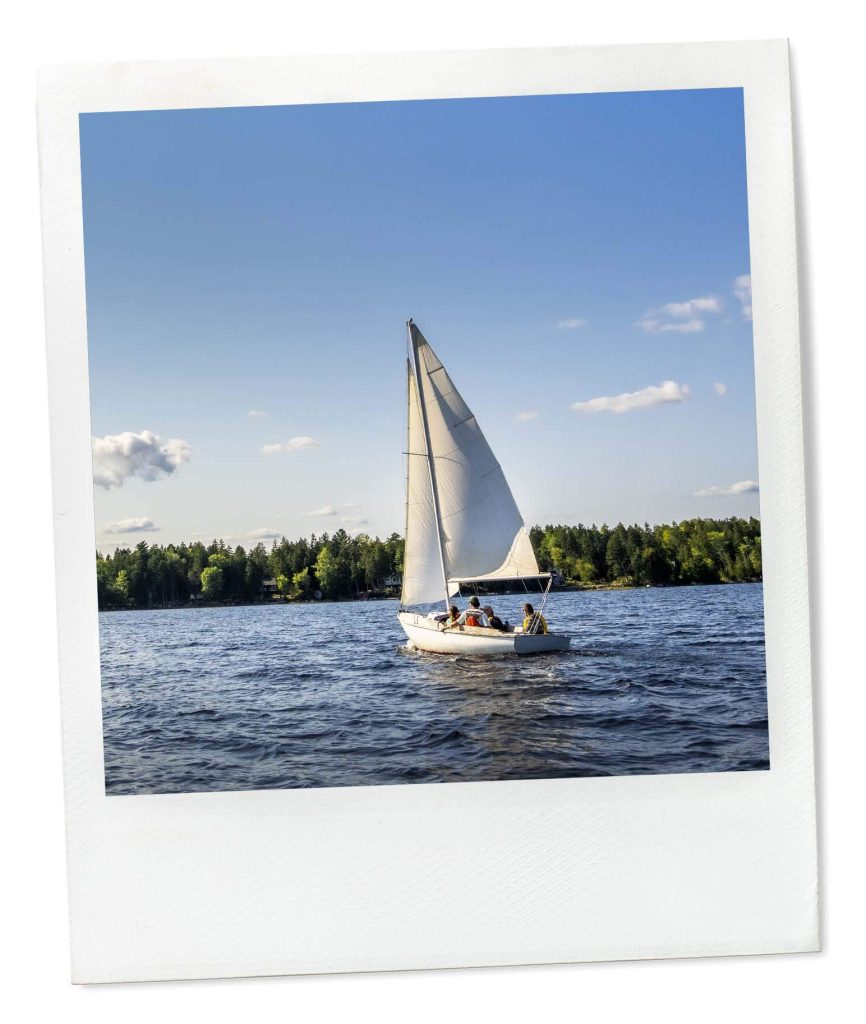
546	592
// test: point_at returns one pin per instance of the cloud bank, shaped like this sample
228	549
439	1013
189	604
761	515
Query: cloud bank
682	317
729	490
571	323
117	457
294	444
661	394
141	525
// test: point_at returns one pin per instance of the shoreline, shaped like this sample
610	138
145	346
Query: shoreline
566	588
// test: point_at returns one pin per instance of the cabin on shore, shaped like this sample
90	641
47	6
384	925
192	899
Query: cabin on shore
392	582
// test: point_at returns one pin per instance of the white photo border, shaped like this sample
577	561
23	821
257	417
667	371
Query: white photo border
463	874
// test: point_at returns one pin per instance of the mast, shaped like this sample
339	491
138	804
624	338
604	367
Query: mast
430	463
408	465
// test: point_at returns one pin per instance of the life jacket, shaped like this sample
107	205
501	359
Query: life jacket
535	623
473	620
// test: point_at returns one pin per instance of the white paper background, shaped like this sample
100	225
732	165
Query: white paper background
826	62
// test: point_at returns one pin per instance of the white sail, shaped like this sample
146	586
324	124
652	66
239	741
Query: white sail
479	526
422	563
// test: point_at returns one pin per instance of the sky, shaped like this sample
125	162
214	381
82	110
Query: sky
580	264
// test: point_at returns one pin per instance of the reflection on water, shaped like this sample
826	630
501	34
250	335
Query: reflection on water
281	696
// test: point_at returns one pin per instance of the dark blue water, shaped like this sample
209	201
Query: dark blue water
264	697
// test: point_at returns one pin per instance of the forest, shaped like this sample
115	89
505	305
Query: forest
342	567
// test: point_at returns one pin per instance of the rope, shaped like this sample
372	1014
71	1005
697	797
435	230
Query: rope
546	592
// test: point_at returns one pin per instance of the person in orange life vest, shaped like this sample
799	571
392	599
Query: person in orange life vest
534	622
473	616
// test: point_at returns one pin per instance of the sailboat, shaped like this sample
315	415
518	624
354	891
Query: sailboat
463	526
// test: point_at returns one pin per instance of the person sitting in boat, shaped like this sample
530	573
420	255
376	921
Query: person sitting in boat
493	620
473	616
449	618
534	622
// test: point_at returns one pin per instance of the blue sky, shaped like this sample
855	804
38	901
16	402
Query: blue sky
555	251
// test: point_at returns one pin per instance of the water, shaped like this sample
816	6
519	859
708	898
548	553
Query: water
285	696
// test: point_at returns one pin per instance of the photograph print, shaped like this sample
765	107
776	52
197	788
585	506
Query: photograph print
424	441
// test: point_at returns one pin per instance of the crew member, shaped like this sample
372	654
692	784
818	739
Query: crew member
534	622
493	620
473	616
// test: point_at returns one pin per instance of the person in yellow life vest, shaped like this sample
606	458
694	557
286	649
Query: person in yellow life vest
534	622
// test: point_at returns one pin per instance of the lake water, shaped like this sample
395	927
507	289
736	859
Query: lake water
284	696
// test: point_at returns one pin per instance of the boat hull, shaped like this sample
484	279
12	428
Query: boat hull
428	635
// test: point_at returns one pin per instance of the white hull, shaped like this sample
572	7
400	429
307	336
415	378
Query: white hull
429	635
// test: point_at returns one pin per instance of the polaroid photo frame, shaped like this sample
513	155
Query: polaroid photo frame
429	876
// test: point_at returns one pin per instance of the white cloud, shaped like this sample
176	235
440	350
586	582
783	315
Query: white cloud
681	317
526	416
743	294
354	520
331	510
721	389
143	524
256	414
294	444
667	391
656	326
265	533
571	323
117	457
692	307
728	491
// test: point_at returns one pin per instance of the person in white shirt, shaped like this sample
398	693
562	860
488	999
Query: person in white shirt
473	616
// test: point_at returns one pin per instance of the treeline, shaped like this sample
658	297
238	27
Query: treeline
693	551
340	566
336	566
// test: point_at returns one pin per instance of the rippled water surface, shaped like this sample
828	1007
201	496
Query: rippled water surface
264	697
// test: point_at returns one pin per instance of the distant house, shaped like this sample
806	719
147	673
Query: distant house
393	581
270	588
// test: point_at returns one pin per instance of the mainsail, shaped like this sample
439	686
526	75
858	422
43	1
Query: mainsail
462	523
